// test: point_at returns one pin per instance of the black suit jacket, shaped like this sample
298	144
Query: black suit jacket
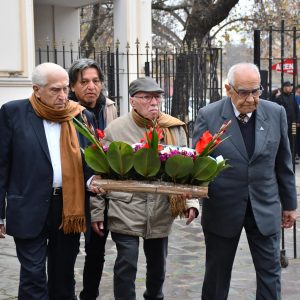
25	170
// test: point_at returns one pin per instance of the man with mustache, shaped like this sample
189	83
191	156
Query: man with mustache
131	216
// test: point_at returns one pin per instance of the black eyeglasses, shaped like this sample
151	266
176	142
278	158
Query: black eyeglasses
243	94
148	98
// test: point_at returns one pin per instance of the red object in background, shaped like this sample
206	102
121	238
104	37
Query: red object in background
288	66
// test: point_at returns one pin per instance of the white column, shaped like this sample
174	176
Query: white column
17	49
57	24
132	21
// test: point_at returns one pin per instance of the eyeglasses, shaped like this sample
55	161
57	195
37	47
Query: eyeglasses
148	98
244	94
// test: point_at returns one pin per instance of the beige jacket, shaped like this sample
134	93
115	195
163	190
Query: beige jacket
110	112
139	214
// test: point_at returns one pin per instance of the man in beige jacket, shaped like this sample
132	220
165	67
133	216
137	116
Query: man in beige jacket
131	216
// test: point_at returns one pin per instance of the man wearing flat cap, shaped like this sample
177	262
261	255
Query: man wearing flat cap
287	100
131	216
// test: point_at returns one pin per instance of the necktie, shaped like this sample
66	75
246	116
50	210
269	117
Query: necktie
243	118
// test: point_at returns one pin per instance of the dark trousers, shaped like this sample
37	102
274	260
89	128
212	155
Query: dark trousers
220	253
60	249
93	265
156	251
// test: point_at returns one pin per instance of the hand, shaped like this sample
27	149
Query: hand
95	188
191	215
2	231
98	227
288	218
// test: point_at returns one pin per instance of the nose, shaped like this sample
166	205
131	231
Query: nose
91	85
155	99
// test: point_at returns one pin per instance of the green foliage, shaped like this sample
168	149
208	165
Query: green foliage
204	168
146	162
179	166
119	157
96	160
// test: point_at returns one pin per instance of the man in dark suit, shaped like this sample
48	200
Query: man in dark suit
42	185
253	191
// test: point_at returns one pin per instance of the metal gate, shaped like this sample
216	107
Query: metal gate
195	72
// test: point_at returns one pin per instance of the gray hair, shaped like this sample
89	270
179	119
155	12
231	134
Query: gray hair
41	72
82	64
244	65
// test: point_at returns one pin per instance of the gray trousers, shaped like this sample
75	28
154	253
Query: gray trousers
156	251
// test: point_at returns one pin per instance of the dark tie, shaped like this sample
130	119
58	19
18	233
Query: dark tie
243	118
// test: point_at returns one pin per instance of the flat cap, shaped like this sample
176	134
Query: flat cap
287	83
144	84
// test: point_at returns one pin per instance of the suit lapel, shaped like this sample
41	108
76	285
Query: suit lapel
38	128
233	131
261	131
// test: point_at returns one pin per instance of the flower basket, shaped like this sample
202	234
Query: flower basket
150	167
157	187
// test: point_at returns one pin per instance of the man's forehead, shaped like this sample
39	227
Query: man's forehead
88	72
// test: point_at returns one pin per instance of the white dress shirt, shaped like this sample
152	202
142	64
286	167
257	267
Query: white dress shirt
52	131
237	113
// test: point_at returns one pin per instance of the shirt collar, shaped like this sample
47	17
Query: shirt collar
237	113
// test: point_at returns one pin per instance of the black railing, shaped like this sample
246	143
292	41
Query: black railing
191	78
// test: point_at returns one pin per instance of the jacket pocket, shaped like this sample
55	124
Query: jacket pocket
120	196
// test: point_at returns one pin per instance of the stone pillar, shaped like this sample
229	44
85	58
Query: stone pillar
132	21
17	49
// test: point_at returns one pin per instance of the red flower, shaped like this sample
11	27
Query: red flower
148	136
100	134
204	140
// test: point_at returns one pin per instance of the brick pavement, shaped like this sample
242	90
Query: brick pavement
185	266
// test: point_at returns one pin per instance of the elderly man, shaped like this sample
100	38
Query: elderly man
42	177
86	87
253	191
131	216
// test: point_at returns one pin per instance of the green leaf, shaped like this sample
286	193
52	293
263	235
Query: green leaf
84	131
154	142
179	166
119	157
204	168
96	159
146	162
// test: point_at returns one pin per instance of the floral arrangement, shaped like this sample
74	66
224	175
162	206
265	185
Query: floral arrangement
149	160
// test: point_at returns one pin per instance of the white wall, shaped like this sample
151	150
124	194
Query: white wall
17	49
56	23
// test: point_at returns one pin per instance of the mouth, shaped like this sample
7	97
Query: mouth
90	94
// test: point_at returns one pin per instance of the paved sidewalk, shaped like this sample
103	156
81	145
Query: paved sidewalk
185	266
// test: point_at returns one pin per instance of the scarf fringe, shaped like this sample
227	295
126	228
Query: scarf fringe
177	206
73	224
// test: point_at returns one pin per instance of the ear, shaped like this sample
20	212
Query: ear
72	88
36	89
131	101
228	90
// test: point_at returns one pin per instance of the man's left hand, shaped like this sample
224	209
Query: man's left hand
288	218
190	215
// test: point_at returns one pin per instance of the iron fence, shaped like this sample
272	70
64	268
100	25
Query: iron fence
191	77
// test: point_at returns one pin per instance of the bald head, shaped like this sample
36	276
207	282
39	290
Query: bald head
42	72
239	69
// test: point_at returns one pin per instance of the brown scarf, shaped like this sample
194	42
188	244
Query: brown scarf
73	217
164	121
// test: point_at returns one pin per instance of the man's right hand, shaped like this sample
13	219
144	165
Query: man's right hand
2	231
98	227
